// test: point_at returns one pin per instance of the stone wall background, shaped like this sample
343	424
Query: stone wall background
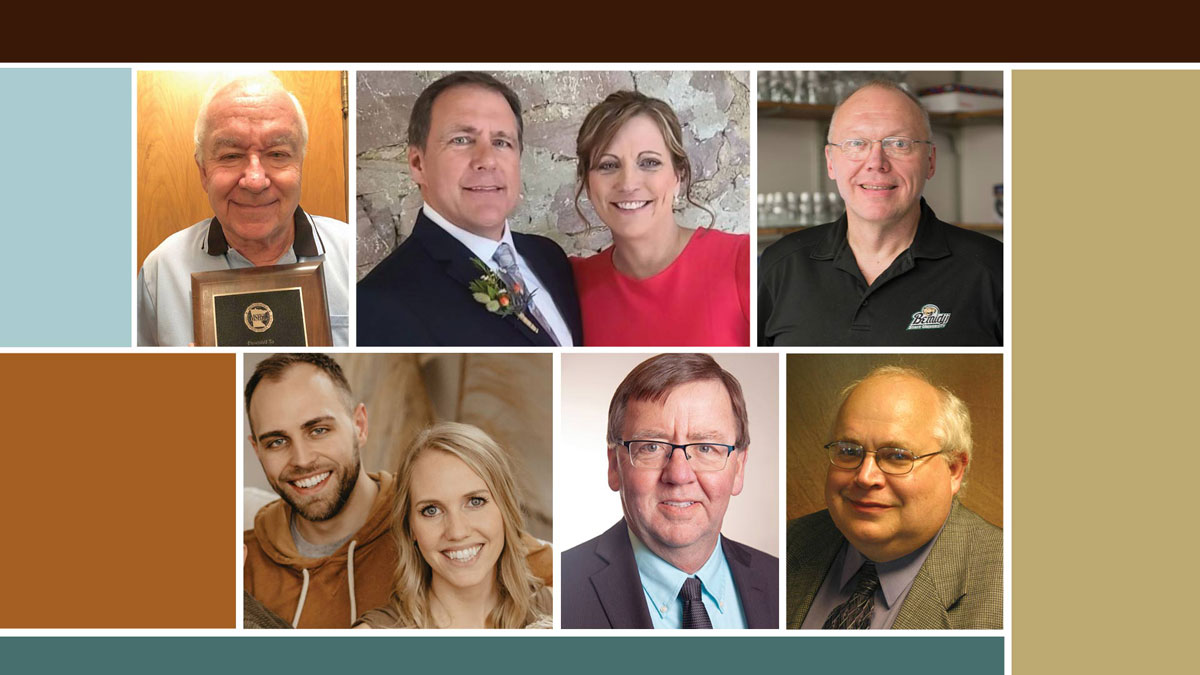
713	108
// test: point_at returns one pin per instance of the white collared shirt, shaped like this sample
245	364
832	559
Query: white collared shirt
484	248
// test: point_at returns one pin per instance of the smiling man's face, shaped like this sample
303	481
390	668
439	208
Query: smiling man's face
250	161
470	168
886	516
878	189
676	511
307	436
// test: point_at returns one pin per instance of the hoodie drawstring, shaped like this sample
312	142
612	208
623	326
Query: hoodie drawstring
300	606
350	576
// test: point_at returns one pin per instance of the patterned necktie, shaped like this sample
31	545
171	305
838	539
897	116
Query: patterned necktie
511	273
694	614
855	613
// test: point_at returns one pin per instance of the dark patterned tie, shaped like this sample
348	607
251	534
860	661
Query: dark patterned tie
511	272
694	614
855	613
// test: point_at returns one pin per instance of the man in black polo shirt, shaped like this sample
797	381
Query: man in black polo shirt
888	272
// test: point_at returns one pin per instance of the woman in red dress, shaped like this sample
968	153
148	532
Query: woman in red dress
659	284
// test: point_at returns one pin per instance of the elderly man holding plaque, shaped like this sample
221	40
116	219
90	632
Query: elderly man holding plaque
255	258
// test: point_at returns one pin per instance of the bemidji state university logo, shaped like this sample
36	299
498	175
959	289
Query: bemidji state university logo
929	317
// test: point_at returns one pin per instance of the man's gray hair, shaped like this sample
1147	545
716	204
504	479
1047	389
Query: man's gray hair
890	86
226	80
953	426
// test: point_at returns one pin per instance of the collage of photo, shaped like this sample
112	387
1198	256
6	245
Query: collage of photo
586	350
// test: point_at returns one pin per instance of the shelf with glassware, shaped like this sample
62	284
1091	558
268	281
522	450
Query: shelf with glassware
795	109
820	112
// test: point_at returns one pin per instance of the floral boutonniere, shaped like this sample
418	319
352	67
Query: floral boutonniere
490	291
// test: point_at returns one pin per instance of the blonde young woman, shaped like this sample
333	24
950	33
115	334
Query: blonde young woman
659	284
461	539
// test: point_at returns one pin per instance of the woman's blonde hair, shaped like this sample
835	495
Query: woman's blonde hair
523	599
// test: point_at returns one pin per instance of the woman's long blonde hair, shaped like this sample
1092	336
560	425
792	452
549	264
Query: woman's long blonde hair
522	598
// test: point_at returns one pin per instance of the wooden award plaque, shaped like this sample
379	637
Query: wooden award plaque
272	306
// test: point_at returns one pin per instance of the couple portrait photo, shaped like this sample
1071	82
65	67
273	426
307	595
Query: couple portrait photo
397	491
553	209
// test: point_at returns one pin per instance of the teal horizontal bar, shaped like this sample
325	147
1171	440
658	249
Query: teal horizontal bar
919	655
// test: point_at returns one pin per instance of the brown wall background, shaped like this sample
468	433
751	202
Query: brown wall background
169	194
815	380
122	491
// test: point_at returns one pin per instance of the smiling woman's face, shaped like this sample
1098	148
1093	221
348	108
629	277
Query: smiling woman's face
632	184
455	520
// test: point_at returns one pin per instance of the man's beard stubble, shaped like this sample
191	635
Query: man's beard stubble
320	509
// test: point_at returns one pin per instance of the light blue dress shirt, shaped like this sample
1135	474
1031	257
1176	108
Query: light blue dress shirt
661	582
164	314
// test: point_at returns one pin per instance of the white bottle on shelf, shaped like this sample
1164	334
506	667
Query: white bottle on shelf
836	206
820	214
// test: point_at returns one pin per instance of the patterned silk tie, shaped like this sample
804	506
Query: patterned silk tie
694	614
855	613
511	272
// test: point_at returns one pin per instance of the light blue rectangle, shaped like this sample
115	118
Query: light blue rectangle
65	217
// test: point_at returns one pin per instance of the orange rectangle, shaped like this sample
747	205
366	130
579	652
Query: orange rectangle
122	491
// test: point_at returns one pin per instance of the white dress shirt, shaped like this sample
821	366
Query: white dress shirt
484	248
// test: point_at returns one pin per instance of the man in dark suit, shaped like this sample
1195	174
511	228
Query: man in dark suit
895	549
677	445
463	278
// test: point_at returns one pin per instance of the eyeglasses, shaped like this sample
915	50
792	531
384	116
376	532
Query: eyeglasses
893	146
657	454
893	461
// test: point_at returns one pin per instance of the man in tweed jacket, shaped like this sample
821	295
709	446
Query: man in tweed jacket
896	549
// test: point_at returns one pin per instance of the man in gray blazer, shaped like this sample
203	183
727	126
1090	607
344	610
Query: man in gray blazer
895	549
677	444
